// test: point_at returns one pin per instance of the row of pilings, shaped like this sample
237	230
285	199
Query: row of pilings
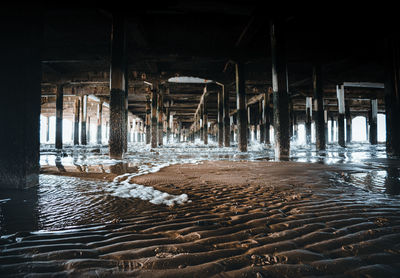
21	83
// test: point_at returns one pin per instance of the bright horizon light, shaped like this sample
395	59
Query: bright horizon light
358	131
188	79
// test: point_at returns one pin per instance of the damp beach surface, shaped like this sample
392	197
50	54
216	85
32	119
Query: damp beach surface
192	211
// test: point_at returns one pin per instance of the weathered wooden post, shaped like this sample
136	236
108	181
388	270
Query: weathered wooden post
308	119
227	127
205	120
88	130
99	122
220	119
59	116
48	129
348	123
261	120
20	78
295	127
154	132
84	99
373	130
148	120
280	89
326	126
320	115
241	107
392	96
249	127
77	105
267	116
168	120
160	118
341	112
118	113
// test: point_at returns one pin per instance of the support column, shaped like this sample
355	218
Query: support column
227	127
148	120
373	130
295	127
83	119
201	123
140	134
47	129
341	112
125	121
241	107
261	121
332	129
267	119
192	134
291	124
59	117
131	129
179	131
168	124
99	122
348	123
256	120
198	127
220	119
326	126
76	120
107	131
205	121
88	130
160	119
392	96
171	126
249	130
118	128
154	132
308	119
232	128
320	141
280	89
117	120
20	90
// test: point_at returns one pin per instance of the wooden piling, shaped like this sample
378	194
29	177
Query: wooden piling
320	141
241	107
59	117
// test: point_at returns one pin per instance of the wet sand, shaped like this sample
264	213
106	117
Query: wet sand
88	172
244	219
73	172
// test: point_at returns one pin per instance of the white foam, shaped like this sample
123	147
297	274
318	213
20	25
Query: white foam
148	193
123	188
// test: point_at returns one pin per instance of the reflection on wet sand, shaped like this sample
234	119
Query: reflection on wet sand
363	166
18	211
59	165
392	181
329	212
370	159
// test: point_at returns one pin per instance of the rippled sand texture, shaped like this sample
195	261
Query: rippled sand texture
246	219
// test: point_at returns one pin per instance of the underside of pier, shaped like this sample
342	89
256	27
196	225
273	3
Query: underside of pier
199	139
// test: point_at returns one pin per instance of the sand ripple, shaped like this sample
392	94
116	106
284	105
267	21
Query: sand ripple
247	219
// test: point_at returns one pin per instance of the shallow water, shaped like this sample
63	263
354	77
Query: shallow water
60	202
